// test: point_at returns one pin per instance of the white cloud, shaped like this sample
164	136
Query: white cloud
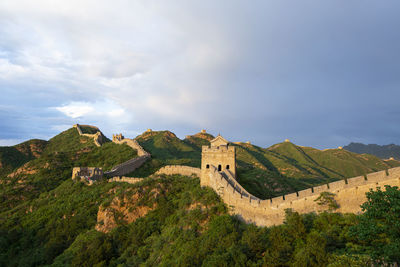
76	109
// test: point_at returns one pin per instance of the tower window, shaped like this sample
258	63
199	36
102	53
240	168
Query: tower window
219	167
208	166
227	167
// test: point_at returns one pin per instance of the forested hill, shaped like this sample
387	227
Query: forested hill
264	172
383	152
46	219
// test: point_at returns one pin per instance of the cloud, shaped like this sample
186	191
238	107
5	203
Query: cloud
312	71
76	109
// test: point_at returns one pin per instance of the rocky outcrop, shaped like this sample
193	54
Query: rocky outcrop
126	209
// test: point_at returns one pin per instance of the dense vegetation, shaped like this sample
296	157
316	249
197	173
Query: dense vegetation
62	153
383	152
189	227
12	157
166	149
46	219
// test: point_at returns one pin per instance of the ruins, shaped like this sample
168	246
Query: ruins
87	174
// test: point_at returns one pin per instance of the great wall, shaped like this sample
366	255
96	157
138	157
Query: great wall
97	137
92	174
218	171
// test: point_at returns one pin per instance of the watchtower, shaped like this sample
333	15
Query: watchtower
118	137
220	155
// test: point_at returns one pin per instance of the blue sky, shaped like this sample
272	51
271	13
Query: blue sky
321	73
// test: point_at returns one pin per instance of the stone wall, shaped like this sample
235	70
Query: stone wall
129	180
97	137
87	174
350	194
132	164
133	144
127	166
223	156
178	169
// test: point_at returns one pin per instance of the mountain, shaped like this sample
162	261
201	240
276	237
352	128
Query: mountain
383	152
37	166
264	172
47	219
12	157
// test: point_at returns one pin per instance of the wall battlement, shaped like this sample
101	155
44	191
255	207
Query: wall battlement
350	194
222	149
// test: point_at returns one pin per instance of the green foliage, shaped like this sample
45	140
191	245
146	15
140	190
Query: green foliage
327	199
166	149
62	153
379	225
285	168
12	157
88	129
47	219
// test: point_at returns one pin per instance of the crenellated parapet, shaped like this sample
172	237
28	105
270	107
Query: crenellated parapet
218	172
349	195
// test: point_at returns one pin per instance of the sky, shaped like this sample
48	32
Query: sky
320	73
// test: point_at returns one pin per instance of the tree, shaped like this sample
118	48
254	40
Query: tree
379	225
327	199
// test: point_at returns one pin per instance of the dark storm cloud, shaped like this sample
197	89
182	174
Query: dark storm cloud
319	73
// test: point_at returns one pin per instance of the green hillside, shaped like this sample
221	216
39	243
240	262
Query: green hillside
166	149
280	169
12	157
54	165
285	167
46	219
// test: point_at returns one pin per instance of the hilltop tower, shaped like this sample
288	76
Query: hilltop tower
118	137
219	155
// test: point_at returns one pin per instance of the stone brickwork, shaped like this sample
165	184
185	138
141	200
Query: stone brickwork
87	174
178	169
97	137
349	193
219	154
129	180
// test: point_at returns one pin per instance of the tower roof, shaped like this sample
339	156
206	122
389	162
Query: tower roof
219	141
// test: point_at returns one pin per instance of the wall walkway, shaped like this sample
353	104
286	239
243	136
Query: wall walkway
132	164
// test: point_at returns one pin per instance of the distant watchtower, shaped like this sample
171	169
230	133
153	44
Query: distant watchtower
220	155
118	137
